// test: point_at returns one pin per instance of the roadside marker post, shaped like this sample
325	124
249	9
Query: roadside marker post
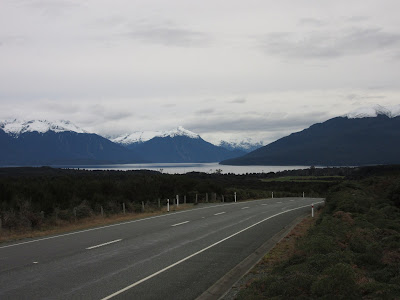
312	210
272	195
303	194
177	200
235	196
168	205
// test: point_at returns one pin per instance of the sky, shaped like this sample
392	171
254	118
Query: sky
227	70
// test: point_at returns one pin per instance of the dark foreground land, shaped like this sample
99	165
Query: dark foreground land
352	252
41	198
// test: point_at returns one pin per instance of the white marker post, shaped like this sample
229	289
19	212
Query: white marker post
303	194
168	205
177	200
312	210
272	195
235	196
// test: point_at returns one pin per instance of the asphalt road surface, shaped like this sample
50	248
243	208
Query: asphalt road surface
171	256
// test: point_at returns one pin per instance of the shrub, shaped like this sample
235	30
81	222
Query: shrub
337	281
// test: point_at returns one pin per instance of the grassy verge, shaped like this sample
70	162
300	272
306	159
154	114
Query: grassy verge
60	226
352	252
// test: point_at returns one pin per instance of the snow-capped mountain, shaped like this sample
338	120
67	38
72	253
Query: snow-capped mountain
177	145
136	137
17	127
247	145
180	131
40	142
373	111
139	137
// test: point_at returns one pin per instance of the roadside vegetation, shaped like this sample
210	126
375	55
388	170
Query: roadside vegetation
352	251
305	179
38	200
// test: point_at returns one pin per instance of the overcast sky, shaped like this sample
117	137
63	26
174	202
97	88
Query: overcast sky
223	69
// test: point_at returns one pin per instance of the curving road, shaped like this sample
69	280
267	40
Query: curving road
172	256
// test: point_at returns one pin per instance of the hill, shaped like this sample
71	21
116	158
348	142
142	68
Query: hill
341	141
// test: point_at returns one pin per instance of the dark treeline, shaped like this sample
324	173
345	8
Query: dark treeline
31	196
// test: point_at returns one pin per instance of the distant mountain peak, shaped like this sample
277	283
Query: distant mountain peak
17	127
246	145
374	111
179	131
139	137
135	137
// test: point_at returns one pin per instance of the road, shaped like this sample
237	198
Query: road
172	256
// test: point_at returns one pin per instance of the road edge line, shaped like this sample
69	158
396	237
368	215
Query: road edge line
198	252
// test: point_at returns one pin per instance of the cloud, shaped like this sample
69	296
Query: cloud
320	44
52	7
312	22
356	19
168	34
205	111
353	97
238	100
266	123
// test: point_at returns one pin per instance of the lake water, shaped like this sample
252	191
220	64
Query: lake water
182	168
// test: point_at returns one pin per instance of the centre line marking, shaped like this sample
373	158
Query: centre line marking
220	213
200	251
245	207
104	244
180	223
264	204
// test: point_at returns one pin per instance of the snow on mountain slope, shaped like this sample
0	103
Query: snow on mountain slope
180	131
373	111
17	127
144	136
135	137
246	145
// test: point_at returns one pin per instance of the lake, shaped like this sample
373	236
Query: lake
182	168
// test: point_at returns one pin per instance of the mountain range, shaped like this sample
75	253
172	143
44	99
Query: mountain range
178	145
366	137
40	142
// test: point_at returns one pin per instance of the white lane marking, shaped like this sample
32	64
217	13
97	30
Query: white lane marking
245	207
291	200
198	252
128	222
180	223
35	262
220	213
118	224
264	204
104	244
